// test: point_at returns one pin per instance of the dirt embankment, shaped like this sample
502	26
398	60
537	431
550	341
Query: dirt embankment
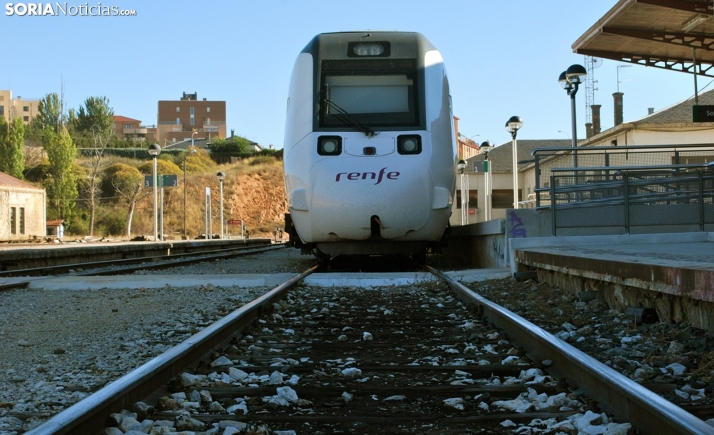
258	199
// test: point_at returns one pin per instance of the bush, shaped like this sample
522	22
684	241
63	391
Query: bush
113	223
78	227
260	160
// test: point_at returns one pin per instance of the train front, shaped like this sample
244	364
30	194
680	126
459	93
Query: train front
369	144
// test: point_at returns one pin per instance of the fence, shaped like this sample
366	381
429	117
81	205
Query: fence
655	187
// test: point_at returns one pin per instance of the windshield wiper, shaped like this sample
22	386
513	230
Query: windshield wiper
347	119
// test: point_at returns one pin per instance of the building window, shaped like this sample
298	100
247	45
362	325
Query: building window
22	220
178	109
26	118
13	220
208	109
2	110
192	120
127	127
178	121
473	199
208	121
191	111
25	108
503	198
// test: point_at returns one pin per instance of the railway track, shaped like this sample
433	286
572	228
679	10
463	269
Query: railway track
418	359
129	265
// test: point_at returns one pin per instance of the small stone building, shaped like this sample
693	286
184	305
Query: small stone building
22	209
55	228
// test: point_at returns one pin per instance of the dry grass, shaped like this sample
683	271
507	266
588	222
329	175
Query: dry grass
253	190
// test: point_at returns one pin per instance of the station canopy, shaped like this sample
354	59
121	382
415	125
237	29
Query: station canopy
672	34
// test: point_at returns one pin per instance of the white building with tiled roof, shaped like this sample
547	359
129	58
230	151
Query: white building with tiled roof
669	126
22	209
501	179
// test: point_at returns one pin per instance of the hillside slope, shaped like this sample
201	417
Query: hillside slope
257	198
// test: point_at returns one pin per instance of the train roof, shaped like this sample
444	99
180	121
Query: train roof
335	39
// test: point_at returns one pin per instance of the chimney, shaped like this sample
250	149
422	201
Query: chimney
595	109
650	110
617	96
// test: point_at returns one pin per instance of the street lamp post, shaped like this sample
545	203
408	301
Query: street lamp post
514	124
185	237
569	80
461	165
221	176
485	148
155	150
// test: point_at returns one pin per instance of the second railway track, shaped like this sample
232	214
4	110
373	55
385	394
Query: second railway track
404	359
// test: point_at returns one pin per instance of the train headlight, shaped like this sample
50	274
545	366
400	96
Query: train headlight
409	144
368	49
329	145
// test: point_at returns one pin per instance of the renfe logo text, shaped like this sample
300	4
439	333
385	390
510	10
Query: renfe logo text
368	175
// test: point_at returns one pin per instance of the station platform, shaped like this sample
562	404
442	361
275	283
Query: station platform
16	256
670	273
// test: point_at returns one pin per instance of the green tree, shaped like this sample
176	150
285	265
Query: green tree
12	159
50	113
235	144
95	117
61	183
94	123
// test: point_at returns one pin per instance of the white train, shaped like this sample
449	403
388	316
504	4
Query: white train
369	148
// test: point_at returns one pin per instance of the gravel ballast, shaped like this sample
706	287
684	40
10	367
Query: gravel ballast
59	346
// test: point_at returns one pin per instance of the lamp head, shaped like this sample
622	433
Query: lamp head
461	165
575	72
154	149
514	124
486	147
563	80
221	176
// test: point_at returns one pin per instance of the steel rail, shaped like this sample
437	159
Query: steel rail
63	267
194	258
616	393
86	416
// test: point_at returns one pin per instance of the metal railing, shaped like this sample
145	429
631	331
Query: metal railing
630	196
605	158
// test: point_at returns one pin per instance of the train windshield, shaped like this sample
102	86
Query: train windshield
374	98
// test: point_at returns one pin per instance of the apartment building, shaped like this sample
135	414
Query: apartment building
12	108
129	128
179	120
465	147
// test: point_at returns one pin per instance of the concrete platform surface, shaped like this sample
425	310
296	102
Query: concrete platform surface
359	280
679	264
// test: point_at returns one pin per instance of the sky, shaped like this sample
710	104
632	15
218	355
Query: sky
502	58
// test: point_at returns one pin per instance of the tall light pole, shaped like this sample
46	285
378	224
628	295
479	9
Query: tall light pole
155	150
185	237
484	149
221	176
569	80
461	165
514	124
